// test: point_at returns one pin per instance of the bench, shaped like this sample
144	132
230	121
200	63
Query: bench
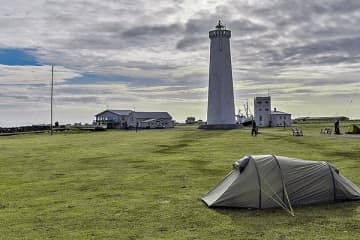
297	132
325	131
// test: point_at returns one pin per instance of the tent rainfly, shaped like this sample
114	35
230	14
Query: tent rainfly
354	129
267	181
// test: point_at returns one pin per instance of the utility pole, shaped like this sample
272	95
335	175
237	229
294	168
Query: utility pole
51	104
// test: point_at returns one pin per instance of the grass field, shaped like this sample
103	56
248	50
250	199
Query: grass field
147	185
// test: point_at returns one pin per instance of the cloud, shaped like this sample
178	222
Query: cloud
122	53
15	75
150	31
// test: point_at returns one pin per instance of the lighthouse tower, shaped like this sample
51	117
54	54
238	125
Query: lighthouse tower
221	110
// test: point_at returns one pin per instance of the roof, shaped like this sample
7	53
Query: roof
263	98
148	120
279	113
152	115
117	112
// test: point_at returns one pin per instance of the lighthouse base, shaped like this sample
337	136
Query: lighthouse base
220	126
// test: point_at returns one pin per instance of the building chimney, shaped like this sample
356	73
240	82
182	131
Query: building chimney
274	109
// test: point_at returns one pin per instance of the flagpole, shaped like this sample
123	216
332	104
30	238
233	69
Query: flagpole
51	104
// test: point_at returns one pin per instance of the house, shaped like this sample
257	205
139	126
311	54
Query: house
153	123
280	119
264	117
113	118
150	120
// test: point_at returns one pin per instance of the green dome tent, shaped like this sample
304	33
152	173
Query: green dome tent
267	181
354	129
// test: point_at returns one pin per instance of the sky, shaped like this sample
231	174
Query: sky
154	56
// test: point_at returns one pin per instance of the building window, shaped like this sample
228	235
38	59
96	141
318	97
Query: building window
280	117
266	109
259	102
260	118
260	109
266	102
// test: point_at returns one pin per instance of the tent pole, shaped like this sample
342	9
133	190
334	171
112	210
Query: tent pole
258	175
282	177
333	181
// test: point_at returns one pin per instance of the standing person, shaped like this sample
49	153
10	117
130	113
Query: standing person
337	127
254	128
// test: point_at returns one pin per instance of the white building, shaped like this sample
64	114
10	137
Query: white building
155	123
150	120
262	111
264	117
221	109
112	118
280	119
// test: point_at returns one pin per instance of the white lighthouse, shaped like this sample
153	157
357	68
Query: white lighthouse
221	110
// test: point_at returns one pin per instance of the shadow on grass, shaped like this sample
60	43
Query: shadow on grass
185	140
306	214
353	154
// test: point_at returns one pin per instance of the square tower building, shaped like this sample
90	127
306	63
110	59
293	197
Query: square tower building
262	111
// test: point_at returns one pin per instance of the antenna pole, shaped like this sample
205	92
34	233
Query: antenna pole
247	108
51	101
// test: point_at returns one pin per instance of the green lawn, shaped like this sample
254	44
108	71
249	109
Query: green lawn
147	185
